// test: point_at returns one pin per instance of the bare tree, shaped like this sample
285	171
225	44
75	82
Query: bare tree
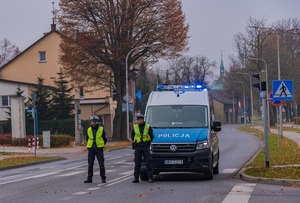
99	34
7	51
190	70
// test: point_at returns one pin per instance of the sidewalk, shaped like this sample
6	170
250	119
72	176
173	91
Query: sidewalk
295	136
65	152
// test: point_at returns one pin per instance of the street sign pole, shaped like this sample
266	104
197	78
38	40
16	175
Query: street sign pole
264	102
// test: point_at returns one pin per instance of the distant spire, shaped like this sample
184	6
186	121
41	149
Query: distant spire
222	66
53	25
53	13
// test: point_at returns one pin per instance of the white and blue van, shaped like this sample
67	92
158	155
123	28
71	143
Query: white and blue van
185	138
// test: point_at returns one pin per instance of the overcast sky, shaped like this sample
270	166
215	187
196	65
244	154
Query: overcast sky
212	22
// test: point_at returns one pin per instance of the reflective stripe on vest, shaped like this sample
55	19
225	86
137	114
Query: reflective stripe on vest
137	133
99	139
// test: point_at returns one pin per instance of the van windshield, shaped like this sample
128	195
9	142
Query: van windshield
174	116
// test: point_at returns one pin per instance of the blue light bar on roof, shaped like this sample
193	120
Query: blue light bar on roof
197	87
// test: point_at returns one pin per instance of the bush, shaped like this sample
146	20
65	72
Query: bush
19	142
5	139
55	140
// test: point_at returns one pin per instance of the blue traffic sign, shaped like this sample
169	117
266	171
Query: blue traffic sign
282	90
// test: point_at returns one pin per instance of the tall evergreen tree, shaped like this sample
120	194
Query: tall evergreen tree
62	98
42	100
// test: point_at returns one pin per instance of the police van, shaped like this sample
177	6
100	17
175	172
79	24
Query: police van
185	138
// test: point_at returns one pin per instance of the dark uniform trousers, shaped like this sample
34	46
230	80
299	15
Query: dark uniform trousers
98	152
142	149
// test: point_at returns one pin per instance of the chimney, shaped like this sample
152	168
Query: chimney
53	27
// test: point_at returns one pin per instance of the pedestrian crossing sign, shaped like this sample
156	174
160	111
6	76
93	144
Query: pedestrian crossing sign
283	90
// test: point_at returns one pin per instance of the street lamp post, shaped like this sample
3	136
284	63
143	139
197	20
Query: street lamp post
267	88
127	96
251	96
233	109
244	113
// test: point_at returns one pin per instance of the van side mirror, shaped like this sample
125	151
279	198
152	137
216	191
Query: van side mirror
216	126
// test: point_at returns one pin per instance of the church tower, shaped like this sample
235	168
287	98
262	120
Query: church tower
221	67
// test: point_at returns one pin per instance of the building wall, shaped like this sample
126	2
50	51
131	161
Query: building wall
219	111
9	88
26	68
28	63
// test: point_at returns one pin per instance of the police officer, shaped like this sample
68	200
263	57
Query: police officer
142	136
96	140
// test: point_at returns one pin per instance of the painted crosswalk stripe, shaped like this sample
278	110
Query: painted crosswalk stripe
228	171
71	174
240	193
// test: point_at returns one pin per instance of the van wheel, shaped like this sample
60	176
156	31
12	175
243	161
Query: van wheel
208	175
143	173
216	168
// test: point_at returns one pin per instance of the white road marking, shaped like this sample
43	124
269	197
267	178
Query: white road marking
8	177
118	181
228	170
70	174
30	177
80	193
240	193
127	173
93	188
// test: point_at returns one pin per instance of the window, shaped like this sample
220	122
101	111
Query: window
175	116
42	56
5	101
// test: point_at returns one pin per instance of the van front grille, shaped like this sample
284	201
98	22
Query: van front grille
178	147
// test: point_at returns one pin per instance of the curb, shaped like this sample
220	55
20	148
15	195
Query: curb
269	181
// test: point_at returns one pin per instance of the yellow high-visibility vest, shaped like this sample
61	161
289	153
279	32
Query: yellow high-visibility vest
99	139
138	136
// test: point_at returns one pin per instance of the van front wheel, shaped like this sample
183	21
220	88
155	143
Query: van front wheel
208	175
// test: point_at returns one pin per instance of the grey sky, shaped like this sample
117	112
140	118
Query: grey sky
212	22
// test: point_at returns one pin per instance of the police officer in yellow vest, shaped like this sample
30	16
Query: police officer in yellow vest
96	140
142	136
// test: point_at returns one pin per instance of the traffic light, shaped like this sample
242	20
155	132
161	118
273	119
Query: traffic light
256	85
263	79
261	76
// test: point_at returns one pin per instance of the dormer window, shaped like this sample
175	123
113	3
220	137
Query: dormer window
42	57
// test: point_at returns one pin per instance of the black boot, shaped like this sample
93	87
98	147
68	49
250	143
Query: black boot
135	180
88	181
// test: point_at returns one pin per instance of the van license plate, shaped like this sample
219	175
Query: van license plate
173	161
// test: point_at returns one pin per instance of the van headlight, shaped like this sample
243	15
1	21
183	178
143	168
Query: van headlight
202	145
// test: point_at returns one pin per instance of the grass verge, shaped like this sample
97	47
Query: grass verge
282	153
23	160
